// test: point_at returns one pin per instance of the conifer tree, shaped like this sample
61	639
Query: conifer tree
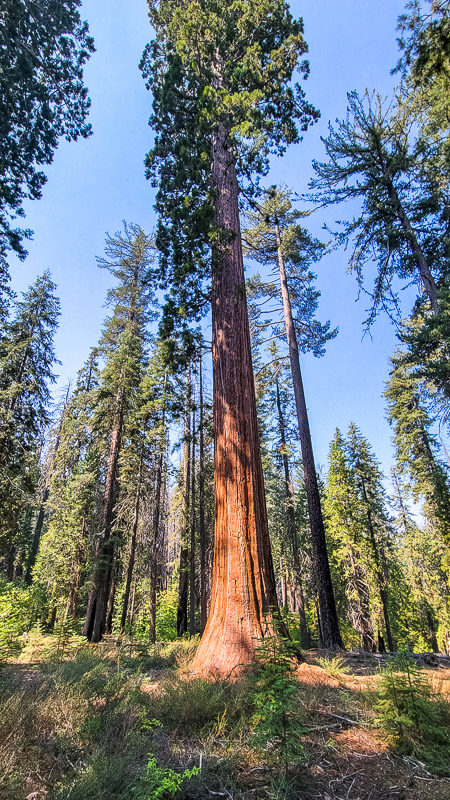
399	225
416	446
220	75
423	616
276	236
367	472
26	372
424	66
128	257
346	520
63	560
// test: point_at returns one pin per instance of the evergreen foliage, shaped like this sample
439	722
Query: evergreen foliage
26	374
43	48
399	224
212	64
416	719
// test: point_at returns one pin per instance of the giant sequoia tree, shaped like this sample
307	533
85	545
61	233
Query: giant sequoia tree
223	101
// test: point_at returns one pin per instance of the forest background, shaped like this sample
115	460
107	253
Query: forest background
99	182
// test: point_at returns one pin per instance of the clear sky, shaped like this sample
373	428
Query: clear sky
93	185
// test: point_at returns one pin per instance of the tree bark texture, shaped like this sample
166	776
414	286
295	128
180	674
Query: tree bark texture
243	593
329	624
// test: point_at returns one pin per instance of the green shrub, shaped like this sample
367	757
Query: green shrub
17	609
166	616
277	726
418	722
161	783
335	667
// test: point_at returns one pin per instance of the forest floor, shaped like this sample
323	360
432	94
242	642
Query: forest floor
103	722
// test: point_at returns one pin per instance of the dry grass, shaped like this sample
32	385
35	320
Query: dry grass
76	723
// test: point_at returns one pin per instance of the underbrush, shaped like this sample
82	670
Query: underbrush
120	721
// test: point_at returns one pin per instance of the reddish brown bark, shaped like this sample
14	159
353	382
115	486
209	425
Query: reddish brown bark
329	625
243	594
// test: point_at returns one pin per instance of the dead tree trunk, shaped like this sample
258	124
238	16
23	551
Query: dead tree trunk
243	595
329	624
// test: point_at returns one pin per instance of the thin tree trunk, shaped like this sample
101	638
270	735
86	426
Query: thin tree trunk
156	521
132	548
290	511
201	508
243	594
154	546
105	549
331	636
112	598
183	586
192	600
364	630
381	578
428	281
283	584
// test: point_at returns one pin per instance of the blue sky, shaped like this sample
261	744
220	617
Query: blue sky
93	185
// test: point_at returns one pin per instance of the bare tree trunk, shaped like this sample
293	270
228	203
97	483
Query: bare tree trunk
243	595
362	615
201	508
154	546
329	624
105	549
132	548
156	521
183	586
290	510
381	575
192	599
428	281
283	584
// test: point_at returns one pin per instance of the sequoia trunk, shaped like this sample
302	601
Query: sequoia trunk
243	594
